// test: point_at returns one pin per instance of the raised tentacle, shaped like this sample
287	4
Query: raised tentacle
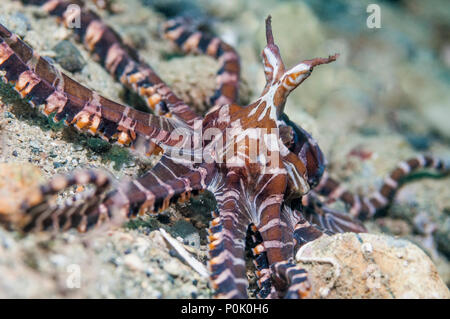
273	63
276	72
363	207
197	42
119	59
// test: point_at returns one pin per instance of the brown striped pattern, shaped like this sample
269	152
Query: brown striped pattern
363	207
122	61
288	274
197	42
75	212
36	80
226	238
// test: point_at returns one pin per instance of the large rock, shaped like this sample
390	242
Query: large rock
370	266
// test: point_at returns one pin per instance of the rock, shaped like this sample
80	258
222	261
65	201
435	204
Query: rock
98	145
17	181
173	268
370	266
188	233
17	21
133	262
68	56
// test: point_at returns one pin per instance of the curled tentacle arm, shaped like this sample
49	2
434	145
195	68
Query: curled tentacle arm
166	183
362	207
283	278
301	143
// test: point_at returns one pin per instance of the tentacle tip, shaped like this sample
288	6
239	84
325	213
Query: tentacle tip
333	57
318	61
269	35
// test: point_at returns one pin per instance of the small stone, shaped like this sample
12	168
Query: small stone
419	142
133	262
35	147
367	248
77	147
8	115
59	164
173	268
68	56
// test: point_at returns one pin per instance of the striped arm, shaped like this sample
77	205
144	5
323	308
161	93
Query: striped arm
302	144
91	209
263	273
197	42
166	183
267	203
287	279
40	83
227	234
74	213
362	207
290	275
305	231
324	218
120	60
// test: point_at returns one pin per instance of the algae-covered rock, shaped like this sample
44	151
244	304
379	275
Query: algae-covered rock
370	266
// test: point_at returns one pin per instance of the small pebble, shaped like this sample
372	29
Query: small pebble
133	262
68	56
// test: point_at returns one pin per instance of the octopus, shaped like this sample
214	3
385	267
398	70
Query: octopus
266	173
